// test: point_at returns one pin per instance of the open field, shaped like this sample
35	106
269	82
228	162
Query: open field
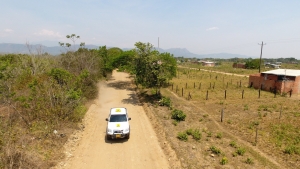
265	128
226	66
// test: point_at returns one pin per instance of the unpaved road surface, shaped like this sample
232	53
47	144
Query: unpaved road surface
89	149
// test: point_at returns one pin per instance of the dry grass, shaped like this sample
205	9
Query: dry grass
241	118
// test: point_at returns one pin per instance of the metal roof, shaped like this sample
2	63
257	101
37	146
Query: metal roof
285	72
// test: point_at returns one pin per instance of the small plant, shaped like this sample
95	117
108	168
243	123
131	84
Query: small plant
229	121
224	161
201	119
196	134
246	107
178	115
182	136
215	150
189	131
175	123
241	151
233	144
209	134
219	135
165	101
249	161
291	149
205	115
234	154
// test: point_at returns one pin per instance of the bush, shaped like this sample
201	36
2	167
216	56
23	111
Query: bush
224	161
189	131
233	144
215	150
249	161
219	135
178	115
240	151
291	149
196	134
175	123
165	101
182	136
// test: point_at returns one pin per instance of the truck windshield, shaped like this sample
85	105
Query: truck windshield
118	118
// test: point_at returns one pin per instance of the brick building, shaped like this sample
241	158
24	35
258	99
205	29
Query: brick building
239	65
281	80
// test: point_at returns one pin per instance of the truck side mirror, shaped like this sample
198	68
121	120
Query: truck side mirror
129	118
106	119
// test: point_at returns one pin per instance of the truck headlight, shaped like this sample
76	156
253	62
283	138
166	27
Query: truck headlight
109	130
127	130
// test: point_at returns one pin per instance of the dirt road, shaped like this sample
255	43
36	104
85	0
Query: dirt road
89	149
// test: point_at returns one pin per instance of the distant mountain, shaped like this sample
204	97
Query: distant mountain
56	50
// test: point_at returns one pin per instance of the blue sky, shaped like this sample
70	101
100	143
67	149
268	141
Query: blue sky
200	26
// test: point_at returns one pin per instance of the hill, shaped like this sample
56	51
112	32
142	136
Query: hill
56	50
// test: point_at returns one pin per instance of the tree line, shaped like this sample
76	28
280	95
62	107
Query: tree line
41	96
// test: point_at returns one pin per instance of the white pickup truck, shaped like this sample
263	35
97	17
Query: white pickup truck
118	124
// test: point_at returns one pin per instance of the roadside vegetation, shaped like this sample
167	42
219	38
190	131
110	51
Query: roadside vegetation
43	100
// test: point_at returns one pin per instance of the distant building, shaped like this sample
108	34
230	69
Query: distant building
239	65
271	65
208	63
281	80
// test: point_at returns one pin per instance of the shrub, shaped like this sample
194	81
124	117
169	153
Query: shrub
215	150
233	144
209	134
241	151
224	161
219	135
175	123
165	101
291	149
189	131
196	134
178	115
249	161
182	136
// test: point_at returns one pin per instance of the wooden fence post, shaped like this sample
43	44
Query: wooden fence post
186	85
182	92
207	95
256	135
243	94
214	86
194	85
222	114
225	94
258	93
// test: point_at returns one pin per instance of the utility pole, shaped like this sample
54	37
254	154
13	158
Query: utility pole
158	43
262	44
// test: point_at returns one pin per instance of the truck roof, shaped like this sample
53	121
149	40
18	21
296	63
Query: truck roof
120	110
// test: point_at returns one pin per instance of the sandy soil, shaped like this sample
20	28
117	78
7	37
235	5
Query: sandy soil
89	148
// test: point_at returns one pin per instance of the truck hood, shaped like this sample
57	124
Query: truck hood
118	125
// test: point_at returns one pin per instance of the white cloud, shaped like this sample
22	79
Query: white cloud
48	33
212	28
8	30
